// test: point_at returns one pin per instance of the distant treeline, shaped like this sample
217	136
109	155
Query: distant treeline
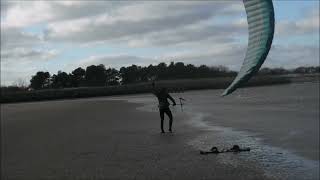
177	77
178	85
100	76
282	71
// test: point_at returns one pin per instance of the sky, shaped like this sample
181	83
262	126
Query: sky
63	35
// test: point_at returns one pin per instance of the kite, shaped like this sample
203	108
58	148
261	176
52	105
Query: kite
260	17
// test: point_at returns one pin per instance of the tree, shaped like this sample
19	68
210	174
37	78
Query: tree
152	72
162	71
191	69
40	80
203	71
112	77
78	77
179	70
95	75
129	74
61	80
306	70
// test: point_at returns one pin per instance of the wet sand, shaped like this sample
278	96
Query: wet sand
279	123
100	138
285	116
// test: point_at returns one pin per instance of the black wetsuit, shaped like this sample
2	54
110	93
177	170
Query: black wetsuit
163	97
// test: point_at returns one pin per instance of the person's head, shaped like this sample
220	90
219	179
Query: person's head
163	90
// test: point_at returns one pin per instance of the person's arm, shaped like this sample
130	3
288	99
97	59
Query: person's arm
171	98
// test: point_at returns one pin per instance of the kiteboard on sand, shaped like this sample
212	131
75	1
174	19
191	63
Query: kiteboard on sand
235	148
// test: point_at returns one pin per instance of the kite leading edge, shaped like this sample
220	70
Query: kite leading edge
260	16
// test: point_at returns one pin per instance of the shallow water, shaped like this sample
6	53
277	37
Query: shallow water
277	163
286	116
279	123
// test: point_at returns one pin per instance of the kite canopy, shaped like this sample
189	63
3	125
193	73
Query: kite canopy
260	16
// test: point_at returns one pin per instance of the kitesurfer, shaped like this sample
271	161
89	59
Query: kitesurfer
163	97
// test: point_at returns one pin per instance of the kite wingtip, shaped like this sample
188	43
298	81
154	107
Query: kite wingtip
228	91
224	93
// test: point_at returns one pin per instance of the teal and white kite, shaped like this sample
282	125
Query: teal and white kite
260	16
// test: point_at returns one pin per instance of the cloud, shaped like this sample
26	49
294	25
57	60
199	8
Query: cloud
228	55
26	55
113	61
23	14
20	14
10	77
22	63
132	22
14	38
197	32
308	24
292	56
5	5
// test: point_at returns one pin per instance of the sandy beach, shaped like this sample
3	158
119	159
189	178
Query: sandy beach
119	138
102	139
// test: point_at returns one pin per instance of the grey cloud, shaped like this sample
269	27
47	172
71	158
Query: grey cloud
18	59
85	9
16	69
190	26
293	56
294	28
9	77
307	25
173	16
216	34
14	37
232	56
5	5
59	10
24	53
116	61
21	63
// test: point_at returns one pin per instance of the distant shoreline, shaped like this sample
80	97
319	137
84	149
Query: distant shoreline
178	85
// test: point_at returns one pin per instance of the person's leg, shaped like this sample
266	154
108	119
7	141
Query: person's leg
162	118
168	112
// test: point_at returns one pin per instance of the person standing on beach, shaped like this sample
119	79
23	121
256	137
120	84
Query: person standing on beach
163	97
